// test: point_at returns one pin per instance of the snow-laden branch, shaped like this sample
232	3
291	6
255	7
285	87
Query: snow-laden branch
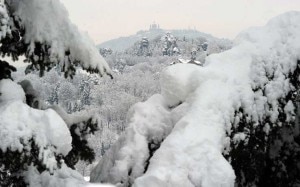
47	23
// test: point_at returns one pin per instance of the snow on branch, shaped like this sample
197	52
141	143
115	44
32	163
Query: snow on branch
52	39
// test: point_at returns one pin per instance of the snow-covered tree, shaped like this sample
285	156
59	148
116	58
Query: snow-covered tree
170	46
38	146
144	47
47	42
233	122
105	51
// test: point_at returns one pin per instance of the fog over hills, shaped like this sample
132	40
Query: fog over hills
122	43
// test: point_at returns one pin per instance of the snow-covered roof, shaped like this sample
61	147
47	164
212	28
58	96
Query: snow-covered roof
184	61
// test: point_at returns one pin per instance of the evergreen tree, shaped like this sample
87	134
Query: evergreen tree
268	153
23	32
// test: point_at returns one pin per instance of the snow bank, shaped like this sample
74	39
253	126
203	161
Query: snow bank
19	124
48	22
201	105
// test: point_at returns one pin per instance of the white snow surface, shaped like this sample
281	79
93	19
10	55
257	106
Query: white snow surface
19	123
11	91
4	21
149	121
47	21
197	107
75	117
63	177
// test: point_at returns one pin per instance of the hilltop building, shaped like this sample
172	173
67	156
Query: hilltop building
154	26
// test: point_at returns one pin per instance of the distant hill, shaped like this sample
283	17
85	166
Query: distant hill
122	43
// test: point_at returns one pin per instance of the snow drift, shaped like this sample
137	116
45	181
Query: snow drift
178	138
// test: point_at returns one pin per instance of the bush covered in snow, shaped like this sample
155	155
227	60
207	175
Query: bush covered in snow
234	121
39	147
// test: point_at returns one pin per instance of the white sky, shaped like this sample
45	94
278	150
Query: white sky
108	19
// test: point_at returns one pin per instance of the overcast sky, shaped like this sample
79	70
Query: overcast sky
108	19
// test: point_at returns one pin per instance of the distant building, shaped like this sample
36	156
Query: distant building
154	26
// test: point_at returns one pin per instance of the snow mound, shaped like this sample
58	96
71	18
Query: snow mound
10	91
19	124
47	22
201	103
194	147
